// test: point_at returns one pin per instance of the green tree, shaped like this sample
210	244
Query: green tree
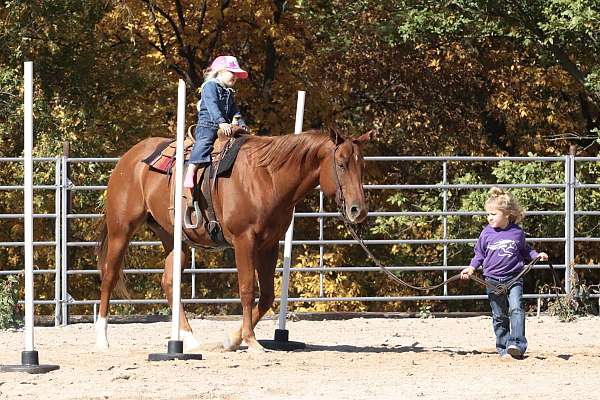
554	32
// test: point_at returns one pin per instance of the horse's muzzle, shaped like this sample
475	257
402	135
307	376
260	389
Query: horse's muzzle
356	214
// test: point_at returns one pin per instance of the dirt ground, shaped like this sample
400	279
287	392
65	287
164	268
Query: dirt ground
359	358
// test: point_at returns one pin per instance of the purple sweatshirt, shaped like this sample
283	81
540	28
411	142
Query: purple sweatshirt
502	251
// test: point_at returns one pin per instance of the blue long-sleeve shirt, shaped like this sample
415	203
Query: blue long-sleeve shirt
217	105
502	252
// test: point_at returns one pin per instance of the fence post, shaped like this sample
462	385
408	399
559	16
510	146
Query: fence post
569	216
58	239
567	168
445	223
65	209
321	247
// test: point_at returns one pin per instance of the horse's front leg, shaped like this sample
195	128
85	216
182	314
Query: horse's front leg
266	283
264	262
185	330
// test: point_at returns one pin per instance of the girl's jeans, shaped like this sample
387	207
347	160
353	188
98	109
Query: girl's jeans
508	316
205	139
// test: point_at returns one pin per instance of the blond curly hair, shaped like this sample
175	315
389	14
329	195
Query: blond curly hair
210	74
504	201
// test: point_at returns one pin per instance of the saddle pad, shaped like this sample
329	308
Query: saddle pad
163	158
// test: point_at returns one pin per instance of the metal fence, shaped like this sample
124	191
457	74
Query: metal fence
63	187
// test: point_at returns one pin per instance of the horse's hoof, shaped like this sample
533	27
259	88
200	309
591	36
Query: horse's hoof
227	346
100	328
256	350
101	347
255	347
190	347
232	341
189	341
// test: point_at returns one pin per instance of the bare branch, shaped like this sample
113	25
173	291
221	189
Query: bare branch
163	47
176	30
180	14
568	136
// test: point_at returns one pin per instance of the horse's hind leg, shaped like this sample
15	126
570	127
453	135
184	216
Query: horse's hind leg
117	238
125	212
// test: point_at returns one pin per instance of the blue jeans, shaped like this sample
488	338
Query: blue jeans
203	147
508	316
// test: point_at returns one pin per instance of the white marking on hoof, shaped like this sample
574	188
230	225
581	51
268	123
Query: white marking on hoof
101	337
231	344
227	345
255	347
256	350
189	341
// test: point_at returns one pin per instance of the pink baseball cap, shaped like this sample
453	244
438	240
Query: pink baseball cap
230	63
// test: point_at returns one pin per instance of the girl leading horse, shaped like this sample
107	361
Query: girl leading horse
271	175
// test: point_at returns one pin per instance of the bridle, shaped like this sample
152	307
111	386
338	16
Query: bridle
340	199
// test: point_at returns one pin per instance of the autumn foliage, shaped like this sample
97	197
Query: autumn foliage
463	78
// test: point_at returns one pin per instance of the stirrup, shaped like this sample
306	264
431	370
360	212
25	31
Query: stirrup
187	216
213	228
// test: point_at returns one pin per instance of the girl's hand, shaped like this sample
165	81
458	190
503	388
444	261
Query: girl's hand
543	256
226	128
467	272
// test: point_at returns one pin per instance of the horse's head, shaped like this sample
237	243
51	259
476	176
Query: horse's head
341	175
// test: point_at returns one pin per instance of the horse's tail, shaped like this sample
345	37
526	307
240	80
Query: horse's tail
120	289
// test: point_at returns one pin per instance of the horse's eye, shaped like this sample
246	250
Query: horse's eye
342	167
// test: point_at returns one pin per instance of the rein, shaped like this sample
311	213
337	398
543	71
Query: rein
501	288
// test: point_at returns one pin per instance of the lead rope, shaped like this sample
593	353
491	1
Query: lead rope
499	289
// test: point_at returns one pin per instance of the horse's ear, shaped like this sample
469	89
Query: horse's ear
335	136
364	138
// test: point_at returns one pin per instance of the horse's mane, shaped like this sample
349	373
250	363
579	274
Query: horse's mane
275	151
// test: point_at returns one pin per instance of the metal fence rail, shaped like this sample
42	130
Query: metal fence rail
63	188
56	189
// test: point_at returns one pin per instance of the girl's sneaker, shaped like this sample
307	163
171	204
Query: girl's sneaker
514	351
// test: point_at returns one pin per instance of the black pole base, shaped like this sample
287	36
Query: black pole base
29	363
282	342
174	352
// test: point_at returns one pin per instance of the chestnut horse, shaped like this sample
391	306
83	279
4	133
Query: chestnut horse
254	205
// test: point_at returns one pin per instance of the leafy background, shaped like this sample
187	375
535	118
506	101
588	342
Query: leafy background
465	77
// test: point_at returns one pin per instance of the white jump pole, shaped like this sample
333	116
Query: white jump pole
175	345
178	211
28	204
281	334
29	357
